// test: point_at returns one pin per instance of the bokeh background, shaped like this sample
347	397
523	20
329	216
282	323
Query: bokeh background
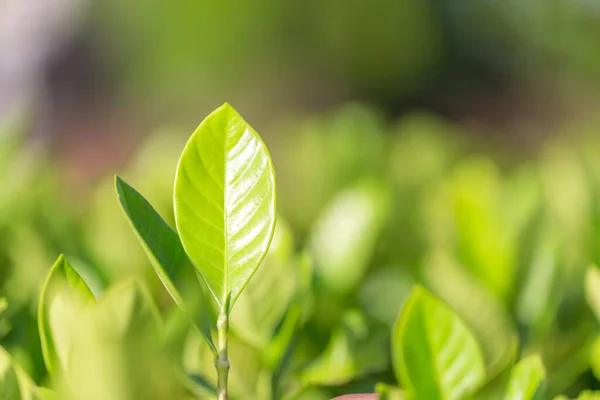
451	143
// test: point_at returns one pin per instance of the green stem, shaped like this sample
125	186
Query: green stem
222	361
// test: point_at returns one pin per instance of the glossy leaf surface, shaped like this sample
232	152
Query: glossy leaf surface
164	249
225	202
64	295
526	380
434	354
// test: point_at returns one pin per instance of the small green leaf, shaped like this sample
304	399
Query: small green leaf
63	295
164	249
225	202
434	354
526	380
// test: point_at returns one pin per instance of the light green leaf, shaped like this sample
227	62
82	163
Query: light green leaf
64	294
526	380
434	354
476	306
118	352
592	290
164	249
344	238
225	202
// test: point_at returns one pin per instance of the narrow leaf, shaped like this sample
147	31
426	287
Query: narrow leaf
225	202
434	354
163	247
63	295
526	380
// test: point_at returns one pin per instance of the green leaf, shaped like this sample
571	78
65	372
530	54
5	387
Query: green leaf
262	306
354	350
225	202
64	294
4	323
434	354
476	306
595	357
526	380
118	351
345	236
14	382
592	290
164	249
387	392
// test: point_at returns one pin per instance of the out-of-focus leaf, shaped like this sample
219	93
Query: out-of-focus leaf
262	305
384	292
354	350
225	203
4	323
164	249
117	352
45	394
592	290
567	199
585	395
386	392
595	358
344	238
479	309
14	383
495	388
526	380
434	354
484	245
541	293
64	295
347	144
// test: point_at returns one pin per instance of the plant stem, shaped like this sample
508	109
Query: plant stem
222	361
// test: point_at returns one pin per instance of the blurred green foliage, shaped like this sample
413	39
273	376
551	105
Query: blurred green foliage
368	208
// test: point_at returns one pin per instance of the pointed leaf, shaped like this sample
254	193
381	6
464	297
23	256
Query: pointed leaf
435	356
164	249
225	202
63	295
526	380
